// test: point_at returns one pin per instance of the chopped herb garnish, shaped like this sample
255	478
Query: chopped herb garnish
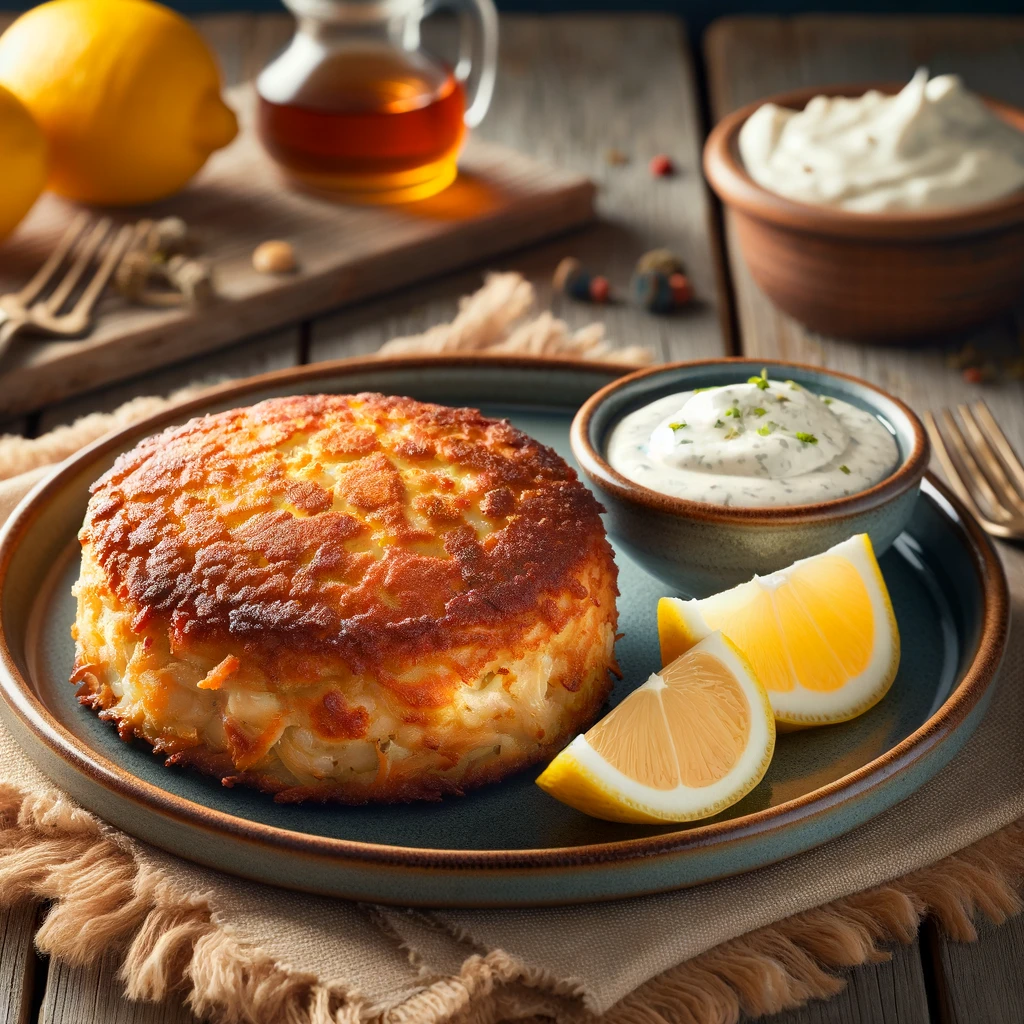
759	411
793	386
781	398
734	411
713	387
765	430
828	401
733	432
719	423
677	426
762	381
845	469
802	435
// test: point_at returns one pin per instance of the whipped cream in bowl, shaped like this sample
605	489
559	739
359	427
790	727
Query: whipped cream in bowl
932	146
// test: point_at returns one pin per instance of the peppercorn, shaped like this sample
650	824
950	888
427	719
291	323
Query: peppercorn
662	166
651	290
963	357
663	260
660	292
572	279
567	268
599	289
682	291
168	236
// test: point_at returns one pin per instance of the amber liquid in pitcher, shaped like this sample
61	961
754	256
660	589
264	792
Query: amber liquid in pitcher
379	125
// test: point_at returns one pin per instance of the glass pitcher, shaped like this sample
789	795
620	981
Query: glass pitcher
355	106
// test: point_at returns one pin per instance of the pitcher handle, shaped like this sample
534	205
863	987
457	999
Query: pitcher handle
478	52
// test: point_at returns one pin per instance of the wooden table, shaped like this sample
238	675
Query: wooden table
569	89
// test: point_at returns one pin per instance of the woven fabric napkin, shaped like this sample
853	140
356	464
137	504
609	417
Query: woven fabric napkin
756	943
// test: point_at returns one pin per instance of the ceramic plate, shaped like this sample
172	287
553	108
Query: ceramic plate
507	843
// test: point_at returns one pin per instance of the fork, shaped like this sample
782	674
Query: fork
982	467
27	310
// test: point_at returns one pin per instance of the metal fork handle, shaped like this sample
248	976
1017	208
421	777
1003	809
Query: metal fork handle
45	273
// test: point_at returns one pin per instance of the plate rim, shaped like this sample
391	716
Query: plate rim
18	694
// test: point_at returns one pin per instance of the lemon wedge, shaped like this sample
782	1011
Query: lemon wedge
821	635
695	738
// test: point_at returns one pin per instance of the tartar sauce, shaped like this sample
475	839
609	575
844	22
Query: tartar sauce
763	442
933	145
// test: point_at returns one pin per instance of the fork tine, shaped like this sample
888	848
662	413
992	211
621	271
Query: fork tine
42	276
124	238
1011	462
83	257
989	463
974	477
951	469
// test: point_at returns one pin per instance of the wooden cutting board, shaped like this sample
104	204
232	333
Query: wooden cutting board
501	200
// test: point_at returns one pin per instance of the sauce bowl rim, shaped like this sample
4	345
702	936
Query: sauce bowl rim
593	463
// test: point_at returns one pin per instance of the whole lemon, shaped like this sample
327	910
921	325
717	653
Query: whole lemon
22	161
126	92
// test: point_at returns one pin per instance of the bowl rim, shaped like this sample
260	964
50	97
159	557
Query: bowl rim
727	176
593	463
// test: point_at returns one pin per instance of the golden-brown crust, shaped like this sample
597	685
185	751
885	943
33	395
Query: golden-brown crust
345	598
334	556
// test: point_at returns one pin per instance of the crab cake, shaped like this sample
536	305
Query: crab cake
345	597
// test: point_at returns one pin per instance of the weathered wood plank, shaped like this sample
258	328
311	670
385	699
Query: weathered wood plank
980	982
95	995
891	992
749	57
258	355
569	89
17	960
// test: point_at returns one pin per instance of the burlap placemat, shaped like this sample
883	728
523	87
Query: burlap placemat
754	944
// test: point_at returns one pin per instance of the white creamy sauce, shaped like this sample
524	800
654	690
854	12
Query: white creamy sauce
933	145
752	445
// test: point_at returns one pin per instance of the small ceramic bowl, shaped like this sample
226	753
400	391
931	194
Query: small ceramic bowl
699	548
877	277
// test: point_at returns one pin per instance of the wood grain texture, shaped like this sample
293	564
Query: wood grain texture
980	982
95	995
501	200
891	992
261	354
751	57
17	960
569	89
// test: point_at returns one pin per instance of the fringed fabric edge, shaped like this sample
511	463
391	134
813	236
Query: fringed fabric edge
786	964
103	899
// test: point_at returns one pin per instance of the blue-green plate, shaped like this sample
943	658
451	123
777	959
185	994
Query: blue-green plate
507	843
